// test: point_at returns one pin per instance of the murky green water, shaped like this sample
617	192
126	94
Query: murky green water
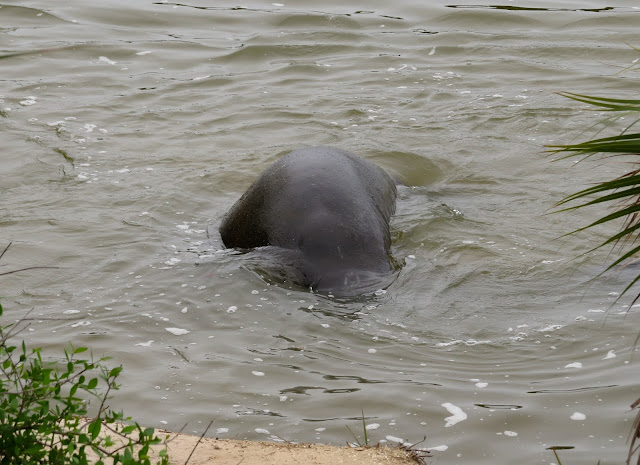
120	156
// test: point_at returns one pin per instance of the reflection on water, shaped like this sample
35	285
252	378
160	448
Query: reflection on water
121	156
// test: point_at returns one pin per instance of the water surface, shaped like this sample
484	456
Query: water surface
123	149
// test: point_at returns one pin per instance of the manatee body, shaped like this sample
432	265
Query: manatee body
329	210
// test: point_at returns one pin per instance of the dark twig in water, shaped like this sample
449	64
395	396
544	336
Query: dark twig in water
177	351
418	455
21	269
28	268
5	250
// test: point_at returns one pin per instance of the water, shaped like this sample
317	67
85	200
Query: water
123	148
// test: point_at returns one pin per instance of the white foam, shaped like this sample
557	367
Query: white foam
550	328
574	365
178	331
144	344
257	373
470	342
106	60
610	354
373	426
511	434
457	415
262	431
81	323
441	448
577	416
31	100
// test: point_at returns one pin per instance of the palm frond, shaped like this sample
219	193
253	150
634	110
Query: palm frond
610	104
635	435
623	144
630	179
622	191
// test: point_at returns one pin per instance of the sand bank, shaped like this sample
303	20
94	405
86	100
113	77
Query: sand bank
238	452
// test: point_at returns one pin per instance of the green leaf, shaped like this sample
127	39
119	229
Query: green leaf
108	441
93	383
73	390
128	429
94	428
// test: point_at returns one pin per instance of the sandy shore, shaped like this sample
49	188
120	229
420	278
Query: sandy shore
212	451
237	452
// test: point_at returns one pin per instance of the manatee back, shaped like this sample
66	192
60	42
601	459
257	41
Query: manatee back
330	205
304	184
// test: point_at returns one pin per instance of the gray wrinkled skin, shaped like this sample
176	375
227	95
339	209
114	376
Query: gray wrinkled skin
329	209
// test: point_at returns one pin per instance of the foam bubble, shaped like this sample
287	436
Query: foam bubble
577	416
144	344
457	415
178	331
31	100
441	448
103	59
